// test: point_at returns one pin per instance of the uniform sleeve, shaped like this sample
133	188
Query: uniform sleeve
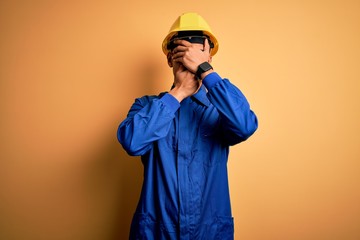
148	120
238	121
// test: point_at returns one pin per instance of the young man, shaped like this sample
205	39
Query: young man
183	137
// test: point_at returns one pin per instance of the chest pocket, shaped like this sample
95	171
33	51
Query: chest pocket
210	124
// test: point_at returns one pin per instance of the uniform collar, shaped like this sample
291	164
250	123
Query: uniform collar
201	96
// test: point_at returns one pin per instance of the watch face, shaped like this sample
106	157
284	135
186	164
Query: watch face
204	67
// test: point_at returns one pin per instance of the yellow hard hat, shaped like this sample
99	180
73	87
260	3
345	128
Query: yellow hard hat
190	22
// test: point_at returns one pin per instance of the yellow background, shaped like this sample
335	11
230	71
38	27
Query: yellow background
70	70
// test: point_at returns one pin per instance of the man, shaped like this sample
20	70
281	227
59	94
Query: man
183	137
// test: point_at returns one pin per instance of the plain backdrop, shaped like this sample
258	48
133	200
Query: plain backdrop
70	70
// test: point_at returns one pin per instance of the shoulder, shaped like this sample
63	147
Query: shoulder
148	98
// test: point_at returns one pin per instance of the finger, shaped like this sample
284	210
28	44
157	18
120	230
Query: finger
178	55
182	42
179	48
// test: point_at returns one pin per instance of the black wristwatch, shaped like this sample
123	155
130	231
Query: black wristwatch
204	67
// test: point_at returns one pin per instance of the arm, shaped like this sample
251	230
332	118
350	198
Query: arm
147	121
238	121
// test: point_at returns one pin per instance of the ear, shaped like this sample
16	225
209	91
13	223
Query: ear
169	60
208	48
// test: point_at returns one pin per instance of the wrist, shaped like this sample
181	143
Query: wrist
203	75
177	93
203	70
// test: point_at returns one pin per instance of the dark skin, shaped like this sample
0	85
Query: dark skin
185	59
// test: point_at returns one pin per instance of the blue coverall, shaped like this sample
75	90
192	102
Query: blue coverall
184	148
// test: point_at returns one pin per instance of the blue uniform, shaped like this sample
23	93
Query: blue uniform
184	148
